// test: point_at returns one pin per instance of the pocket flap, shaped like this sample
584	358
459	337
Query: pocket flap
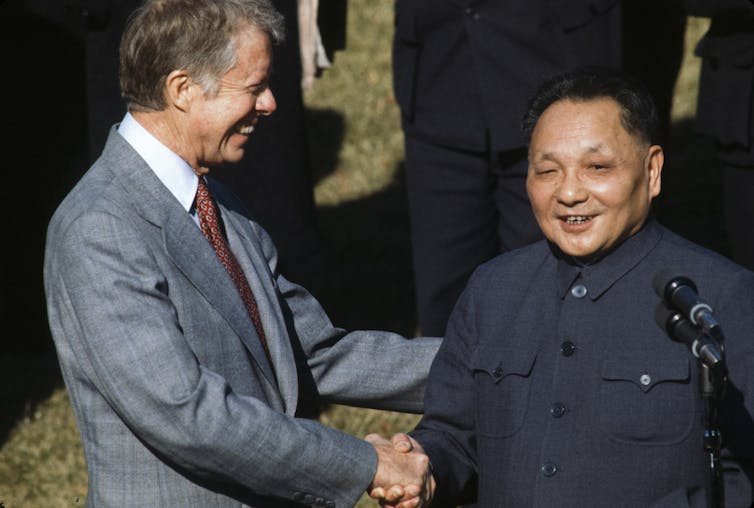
646	372
499	362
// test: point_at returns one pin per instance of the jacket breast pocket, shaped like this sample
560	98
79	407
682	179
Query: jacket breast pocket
646	401
502	378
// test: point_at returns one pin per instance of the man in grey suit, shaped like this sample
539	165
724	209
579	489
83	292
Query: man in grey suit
190	364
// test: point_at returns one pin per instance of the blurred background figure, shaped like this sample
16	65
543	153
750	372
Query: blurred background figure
463	71
725	111
655	59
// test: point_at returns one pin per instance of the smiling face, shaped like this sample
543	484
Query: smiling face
218	125
590	181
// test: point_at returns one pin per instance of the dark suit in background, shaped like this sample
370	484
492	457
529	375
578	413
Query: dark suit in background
656	60
725	111
463	71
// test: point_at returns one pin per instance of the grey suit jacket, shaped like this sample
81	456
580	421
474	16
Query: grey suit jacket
176	402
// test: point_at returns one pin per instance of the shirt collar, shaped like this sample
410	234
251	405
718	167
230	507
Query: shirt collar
173	172
599	276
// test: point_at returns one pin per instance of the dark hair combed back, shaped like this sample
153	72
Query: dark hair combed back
196	35
638	112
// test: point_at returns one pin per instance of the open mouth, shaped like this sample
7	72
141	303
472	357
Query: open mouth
577	219
245	129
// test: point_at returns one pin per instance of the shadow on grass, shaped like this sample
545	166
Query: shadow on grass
365	280
325	129
46	149
26	380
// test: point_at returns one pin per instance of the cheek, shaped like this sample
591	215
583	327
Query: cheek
628	197
540	196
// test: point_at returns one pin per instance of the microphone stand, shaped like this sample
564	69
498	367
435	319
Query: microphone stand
707	347
712	386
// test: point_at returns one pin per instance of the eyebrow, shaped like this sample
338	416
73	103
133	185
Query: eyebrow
550	156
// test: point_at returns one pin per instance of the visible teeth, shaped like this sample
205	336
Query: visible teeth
246	130
578	219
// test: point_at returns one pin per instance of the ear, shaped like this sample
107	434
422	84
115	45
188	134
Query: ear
654	162
179	90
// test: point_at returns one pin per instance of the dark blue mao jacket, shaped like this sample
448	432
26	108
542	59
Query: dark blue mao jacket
555	386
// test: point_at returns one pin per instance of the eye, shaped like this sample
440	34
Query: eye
544	170
257	90
599	166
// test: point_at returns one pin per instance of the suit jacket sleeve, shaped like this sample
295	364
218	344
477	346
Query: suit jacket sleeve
106	290
447	430
374	369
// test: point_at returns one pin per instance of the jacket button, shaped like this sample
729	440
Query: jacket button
549	469
578	291
470	12
557	410
498	372
567	348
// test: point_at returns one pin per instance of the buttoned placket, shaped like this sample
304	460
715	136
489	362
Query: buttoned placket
567	374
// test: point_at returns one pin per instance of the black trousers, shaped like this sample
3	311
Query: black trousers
738	210
465	208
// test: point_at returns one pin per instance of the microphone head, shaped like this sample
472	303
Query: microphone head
666	318
666	281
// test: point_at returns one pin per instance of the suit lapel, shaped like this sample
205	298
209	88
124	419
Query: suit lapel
186	246
245	245
191	252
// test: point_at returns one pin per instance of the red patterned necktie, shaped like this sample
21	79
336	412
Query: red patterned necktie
210	225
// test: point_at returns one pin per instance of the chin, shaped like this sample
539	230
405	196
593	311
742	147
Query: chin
577	252
234	157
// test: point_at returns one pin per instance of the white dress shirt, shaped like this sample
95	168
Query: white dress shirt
174	172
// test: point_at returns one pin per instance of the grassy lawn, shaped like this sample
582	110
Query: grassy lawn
364	227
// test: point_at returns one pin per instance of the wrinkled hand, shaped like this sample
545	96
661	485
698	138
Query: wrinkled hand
403	478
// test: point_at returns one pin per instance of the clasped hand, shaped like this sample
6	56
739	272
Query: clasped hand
403	478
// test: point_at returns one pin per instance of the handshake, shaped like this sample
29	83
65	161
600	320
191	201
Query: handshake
403	478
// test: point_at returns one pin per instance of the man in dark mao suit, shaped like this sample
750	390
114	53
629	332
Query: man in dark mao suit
463	70
555	386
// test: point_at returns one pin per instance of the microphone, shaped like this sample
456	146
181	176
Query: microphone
680	329
680	293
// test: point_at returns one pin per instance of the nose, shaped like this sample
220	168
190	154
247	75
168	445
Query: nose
571	192
266	103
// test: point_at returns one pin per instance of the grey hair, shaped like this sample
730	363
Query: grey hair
196	35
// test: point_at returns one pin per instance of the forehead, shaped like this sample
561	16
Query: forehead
252	60
568	125
252	38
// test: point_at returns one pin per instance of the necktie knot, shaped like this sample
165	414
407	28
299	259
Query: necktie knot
207	213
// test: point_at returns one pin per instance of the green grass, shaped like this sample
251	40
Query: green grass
364	225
